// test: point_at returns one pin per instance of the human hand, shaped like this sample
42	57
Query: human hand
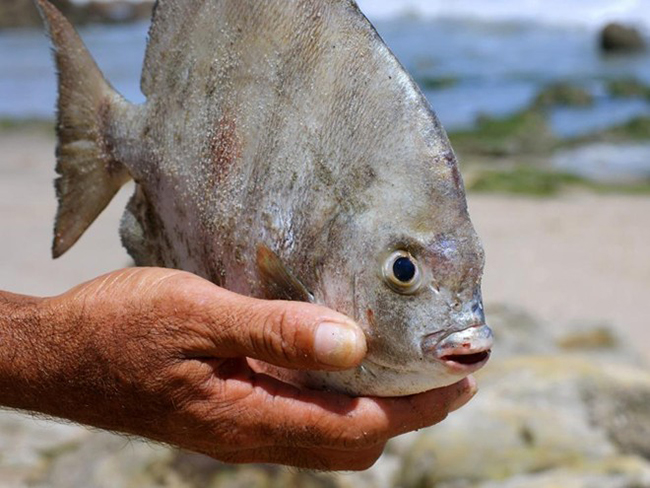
162	354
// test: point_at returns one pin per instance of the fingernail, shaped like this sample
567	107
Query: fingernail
337	344
470	390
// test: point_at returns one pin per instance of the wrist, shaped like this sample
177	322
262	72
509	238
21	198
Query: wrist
20	329
48	357
89	356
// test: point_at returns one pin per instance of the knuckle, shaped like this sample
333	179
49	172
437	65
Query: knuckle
282	323
357	438
276	336
219	423
427	416
224	431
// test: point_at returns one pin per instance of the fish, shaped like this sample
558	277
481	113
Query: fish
284	153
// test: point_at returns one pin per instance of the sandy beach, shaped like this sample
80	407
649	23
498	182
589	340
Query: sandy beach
575	259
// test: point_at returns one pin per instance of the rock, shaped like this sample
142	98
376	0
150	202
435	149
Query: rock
23	13
590	338
598	342
610	475
26	443
539	421
517	333
18	13
437	83
552	414
619	402
104	460
525	132
563	95
628	88
621	38
514	330
114	12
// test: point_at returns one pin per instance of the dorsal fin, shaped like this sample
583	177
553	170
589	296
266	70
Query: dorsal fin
170	20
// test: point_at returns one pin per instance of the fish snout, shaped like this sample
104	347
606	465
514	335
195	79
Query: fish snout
464	351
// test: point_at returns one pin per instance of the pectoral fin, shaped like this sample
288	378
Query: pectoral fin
278	282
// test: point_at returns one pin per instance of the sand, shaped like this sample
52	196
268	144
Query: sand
579	258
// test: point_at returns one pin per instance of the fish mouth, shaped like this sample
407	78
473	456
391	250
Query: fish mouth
467	359
462	352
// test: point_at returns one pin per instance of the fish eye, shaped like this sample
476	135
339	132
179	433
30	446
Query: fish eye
404	269
402	273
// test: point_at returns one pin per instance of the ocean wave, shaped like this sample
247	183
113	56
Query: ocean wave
584	13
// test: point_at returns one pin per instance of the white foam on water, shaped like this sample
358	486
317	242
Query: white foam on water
605	162
584	13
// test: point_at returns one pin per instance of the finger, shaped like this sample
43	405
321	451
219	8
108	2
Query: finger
315	459
293	335
311	419
373	420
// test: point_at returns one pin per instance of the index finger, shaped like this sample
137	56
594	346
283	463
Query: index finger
313	419
373	420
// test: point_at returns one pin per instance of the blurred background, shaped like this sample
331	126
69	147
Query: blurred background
547	103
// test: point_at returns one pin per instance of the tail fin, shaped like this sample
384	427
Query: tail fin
89	174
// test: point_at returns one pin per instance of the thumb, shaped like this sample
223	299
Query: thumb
294	335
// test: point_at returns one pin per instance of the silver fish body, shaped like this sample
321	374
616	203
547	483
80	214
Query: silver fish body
284	153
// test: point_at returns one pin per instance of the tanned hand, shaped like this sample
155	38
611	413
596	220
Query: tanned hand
162	354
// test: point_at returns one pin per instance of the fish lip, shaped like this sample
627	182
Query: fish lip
462	352
457	367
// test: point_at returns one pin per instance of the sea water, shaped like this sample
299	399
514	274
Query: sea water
488	58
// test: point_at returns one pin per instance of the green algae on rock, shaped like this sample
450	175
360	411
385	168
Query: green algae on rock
523	132
437	83
524	180
628	88
542	182
563	95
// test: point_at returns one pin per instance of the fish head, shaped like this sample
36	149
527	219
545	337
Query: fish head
408	269
414	285
422	305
